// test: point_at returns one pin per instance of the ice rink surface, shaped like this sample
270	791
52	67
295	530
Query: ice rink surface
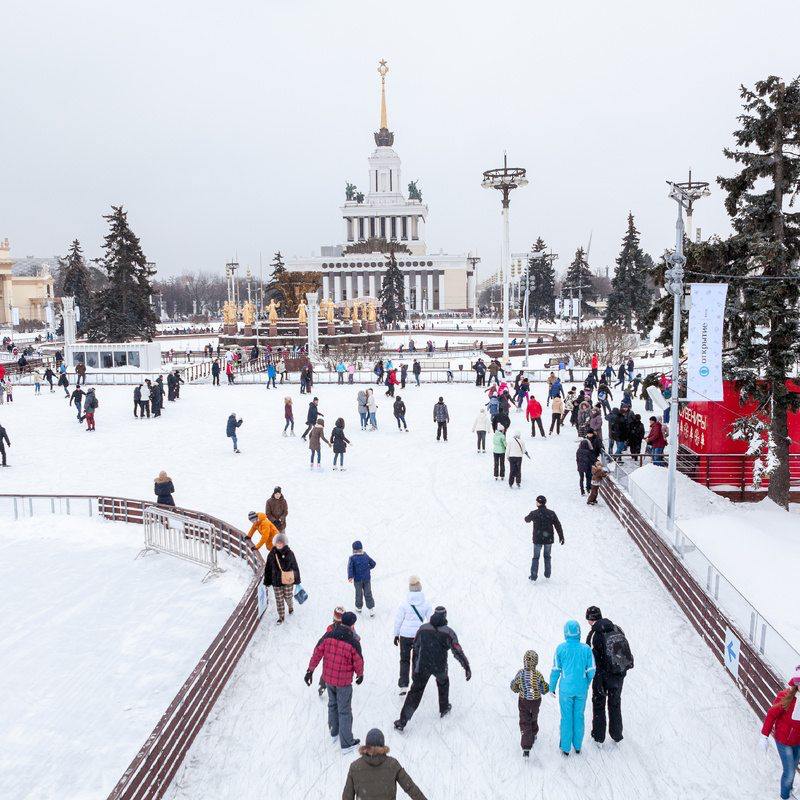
431	509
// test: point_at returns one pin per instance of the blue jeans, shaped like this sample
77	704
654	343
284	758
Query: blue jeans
364	417
235	441
572	727
657	455
317	451
373	420
340	456
537	549
403	421
289	422
619	447
416	377
790	758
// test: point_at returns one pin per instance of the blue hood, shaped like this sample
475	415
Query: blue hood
572	630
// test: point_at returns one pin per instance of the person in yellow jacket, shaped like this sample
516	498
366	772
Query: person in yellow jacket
266	530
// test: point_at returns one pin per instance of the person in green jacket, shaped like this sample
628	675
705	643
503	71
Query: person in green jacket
499	453
376	775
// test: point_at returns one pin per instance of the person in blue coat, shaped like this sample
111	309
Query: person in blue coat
573	669
359	573
272	373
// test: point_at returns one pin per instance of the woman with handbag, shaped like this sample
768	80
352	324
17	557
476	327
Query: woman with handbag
282	573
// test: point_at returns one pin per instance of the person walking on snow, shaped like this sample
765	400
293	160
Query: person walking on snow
480	427
311	417
339	443
372	410
783	722
376	774
277	509
315	438
545	525
163	489
282	574
416	368
556	415
90	405
533	414
429	658
441	417
584	458
613	659
260	523
399	410
412	613
340	653
4	442
288	415
359	573
530	685
515	450
231	426
573	668
499	453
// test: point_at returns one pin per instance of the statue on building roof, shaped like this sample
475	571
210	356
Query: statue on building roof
414	192
350	191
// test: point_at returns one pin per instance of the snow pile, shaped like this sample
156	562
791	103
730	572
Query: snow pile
93	647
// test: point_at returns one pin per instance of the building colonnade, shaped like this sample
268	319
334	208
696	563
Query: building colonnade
421	287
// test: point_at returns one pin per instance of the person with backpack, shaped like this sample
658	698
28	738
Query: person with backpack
429	656
493	407
545	525
90	406
574	669
613	659
441	417
533	413
480	427
399	410
231	426
783	722
414	612
530	685
339	443
499	453
359	573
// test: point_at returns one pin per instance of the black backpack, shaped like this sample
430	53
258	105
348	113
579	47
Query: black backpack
618	657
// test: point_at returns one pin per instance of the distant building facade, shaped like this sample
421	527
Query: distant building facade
28	294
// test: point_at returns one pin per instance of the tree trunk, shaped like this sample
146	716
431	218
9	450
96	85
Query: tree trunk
779	481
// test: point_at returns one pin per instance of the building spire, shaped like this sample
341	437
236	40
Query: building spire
383	137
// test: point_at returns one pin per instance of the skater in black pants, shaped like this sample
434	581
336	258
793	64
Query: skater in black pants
311	417
612	656
544	522
215	373
441	417
429	658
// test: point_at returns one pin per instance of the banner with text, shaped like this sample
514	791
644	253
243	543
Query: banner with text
704	363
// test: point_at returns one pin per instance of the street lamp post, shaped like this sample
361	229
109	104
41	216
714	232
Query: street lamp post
474	260
684	194
504	179
525	304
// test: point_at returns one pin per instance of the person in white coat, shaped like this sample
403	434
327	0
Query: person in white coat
372	408
480	426
515	450
411	614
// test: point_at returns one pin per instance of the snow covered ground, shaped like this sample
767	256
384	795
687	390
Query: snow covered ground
93	647
425	508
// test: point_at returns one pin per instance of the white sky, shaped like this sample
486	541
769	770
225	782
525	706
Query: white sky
232	127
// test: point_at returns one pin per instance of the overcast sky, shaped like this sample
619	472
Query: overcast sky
232	127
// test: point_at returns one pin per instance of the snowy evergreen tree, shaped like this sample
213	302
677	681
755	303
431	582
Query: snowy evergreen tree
74	280
121	311
631	290
541	280
392	293
278	267
579	274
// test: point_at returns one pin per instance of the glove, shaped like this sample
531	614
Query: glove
561	540
360	680
468	673
309	677
766	744
396	641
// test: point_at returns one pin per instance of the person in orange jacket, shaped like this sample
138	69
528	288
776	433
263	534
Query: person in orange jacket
266	530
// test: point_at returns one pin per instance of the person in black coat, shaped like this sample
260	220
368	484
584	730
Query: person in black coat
585	458
429	659
4	440
339	443
311	417
545	525
281	561
399	410
170	387
157	396
163	489
215	370
636	434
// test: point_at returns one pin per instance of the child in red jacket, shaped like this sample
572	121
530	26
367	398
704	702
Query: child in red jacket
783	722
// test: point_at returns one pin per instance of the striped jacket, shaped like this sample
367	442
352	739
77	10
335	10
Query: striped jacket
529	683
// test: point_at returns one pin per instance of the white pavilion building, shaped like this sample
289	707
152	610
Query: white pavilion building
432	282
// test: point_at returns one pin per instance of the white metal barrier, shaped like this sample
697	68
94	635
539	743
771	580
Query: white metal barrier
181	536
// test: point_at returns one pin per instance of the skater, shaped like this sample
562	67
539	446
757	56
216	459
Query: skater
137	401
656	441
261	524
37	382
359	573
595	362
584	458
604	395
376	774
311	416
480	427
282	573
363	411
157	396
4	442
556	415
338	613
545	525
499	453
63	382
416	368
429	656
215	370
288	416
229	373
272	373
316	436
573	667
783	722
530	685
76	399
163	489
231	426
80	372
399	410
515	450
391	382
9	389
412	613
570	407
403	375
339	443
636	435
90	405
340	653
441	417
613	659
556	390
48	376
171	384
372	410
533	414
177	381
378	370
493	407
277	509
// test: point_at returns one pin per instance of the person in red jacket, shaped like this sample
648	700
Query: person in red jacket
594	365
656	440
340	652
783	722
533	413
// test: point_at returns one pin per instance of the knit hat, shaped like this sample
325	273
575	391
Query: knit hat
357	545
439	617
338	612
795	679
414	584
375	738
252	516
348	618
593	613
541	500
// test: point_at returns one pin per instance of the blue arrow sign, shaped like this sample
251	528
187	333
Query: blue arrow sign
731	652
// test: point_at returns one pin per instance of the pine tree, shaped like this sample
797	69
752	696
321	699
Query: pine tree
278	267
541	280
392	293
631	290
121	311
579	274
75	281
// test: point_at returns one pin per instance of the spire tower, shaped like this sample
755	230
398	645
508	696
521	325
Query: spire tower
383	137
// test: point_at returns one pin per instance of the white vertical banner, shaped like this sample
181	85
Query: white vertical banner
576	307
704	363
558	307
15	316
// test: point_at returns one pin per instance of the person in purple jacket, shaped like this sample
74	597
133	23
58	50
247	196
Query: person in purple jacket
359	573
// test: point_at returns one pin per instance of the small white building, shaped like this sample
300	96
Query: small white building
432	282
